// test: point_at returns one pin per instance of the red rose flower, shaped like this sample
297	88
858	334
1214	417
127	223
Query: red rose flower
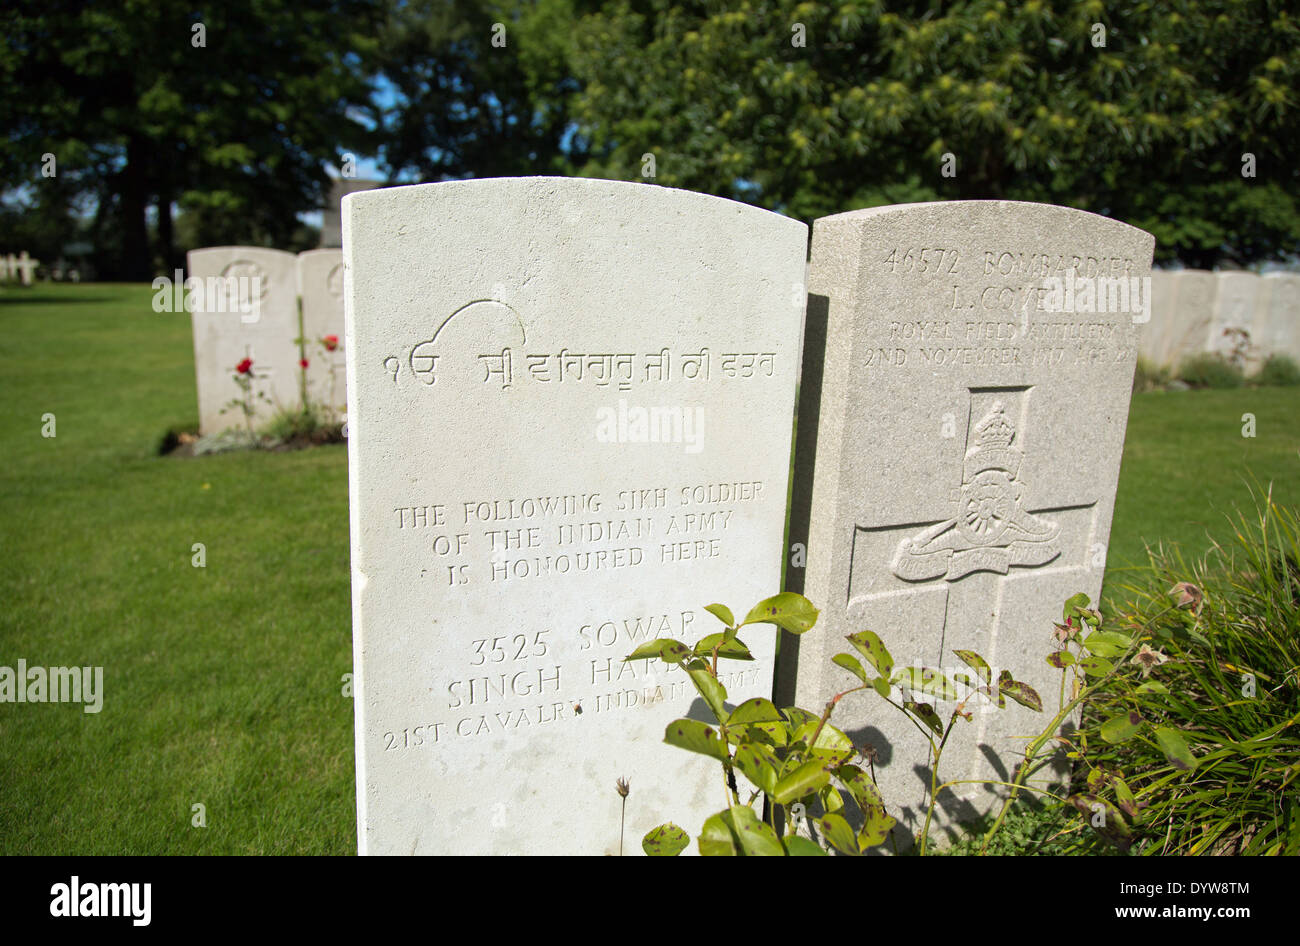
330	342
303	363
244	366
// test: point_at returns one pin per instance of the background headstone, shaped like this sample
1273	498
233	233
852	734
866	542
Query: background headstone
513	345
1236	300
967	450
1195	292
26	268
331	229
222	339
320	284
1280	324
1154	336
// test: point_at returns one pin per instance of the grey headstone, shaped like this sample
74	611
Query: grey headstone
967	450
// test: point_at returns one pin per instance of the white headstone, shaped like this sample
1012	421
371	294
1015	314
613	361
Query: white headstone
966	460
569	409
245	306
320	283
1194	295
1235	331
1280	328
27	268
1155	336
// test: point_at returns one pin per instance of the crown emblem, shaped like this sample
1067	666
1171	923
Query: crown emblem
994	431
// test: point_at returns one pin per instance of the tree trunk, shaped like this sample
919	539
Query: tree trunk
136	264
166	239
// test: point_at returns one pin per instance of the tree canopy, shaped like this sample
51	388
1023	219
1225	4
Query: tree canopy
1178	117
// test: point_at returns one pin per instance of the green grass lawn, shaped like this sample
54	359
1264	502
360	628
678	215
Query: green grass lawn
223	684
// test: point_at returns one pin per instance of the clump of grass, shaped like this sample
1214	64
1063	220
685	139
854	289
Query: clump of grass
1210	370
309	423
1278	371
1228	686
1149	376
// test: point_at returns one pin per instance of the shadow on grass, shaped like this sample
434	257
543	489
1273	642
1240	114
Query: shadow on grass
10	299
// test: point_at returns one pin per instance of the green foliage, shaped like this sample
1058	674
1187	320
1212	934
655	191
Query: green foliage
1209	762
794	760
483	88
1278	371
1033	829
311	423
1149	128
1210	370
138	114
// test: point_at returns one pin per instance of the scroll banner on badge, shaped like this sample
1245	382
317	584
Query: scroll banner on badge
943	551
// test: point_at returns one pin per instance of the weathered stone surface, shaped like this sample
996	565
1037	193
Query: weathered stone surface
247	308
967	449
569	430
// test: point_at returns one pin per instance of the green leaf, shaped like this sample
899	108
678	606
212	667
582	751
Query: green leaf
776	735
1096	666
926	714
697	737
1060	659
1104	818
804	780
788	611
850	663
1153	686
831	798
798	717
760	765
925	680
1075	601
1174	747
871	647
755	710
713	693
718	838
667	840
1106	643
837	831
976	663
1022	693
860	786
733	649
1127	803
832	746
802	847
722	613
875	828
882	686
665	648
756	837
1121	728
